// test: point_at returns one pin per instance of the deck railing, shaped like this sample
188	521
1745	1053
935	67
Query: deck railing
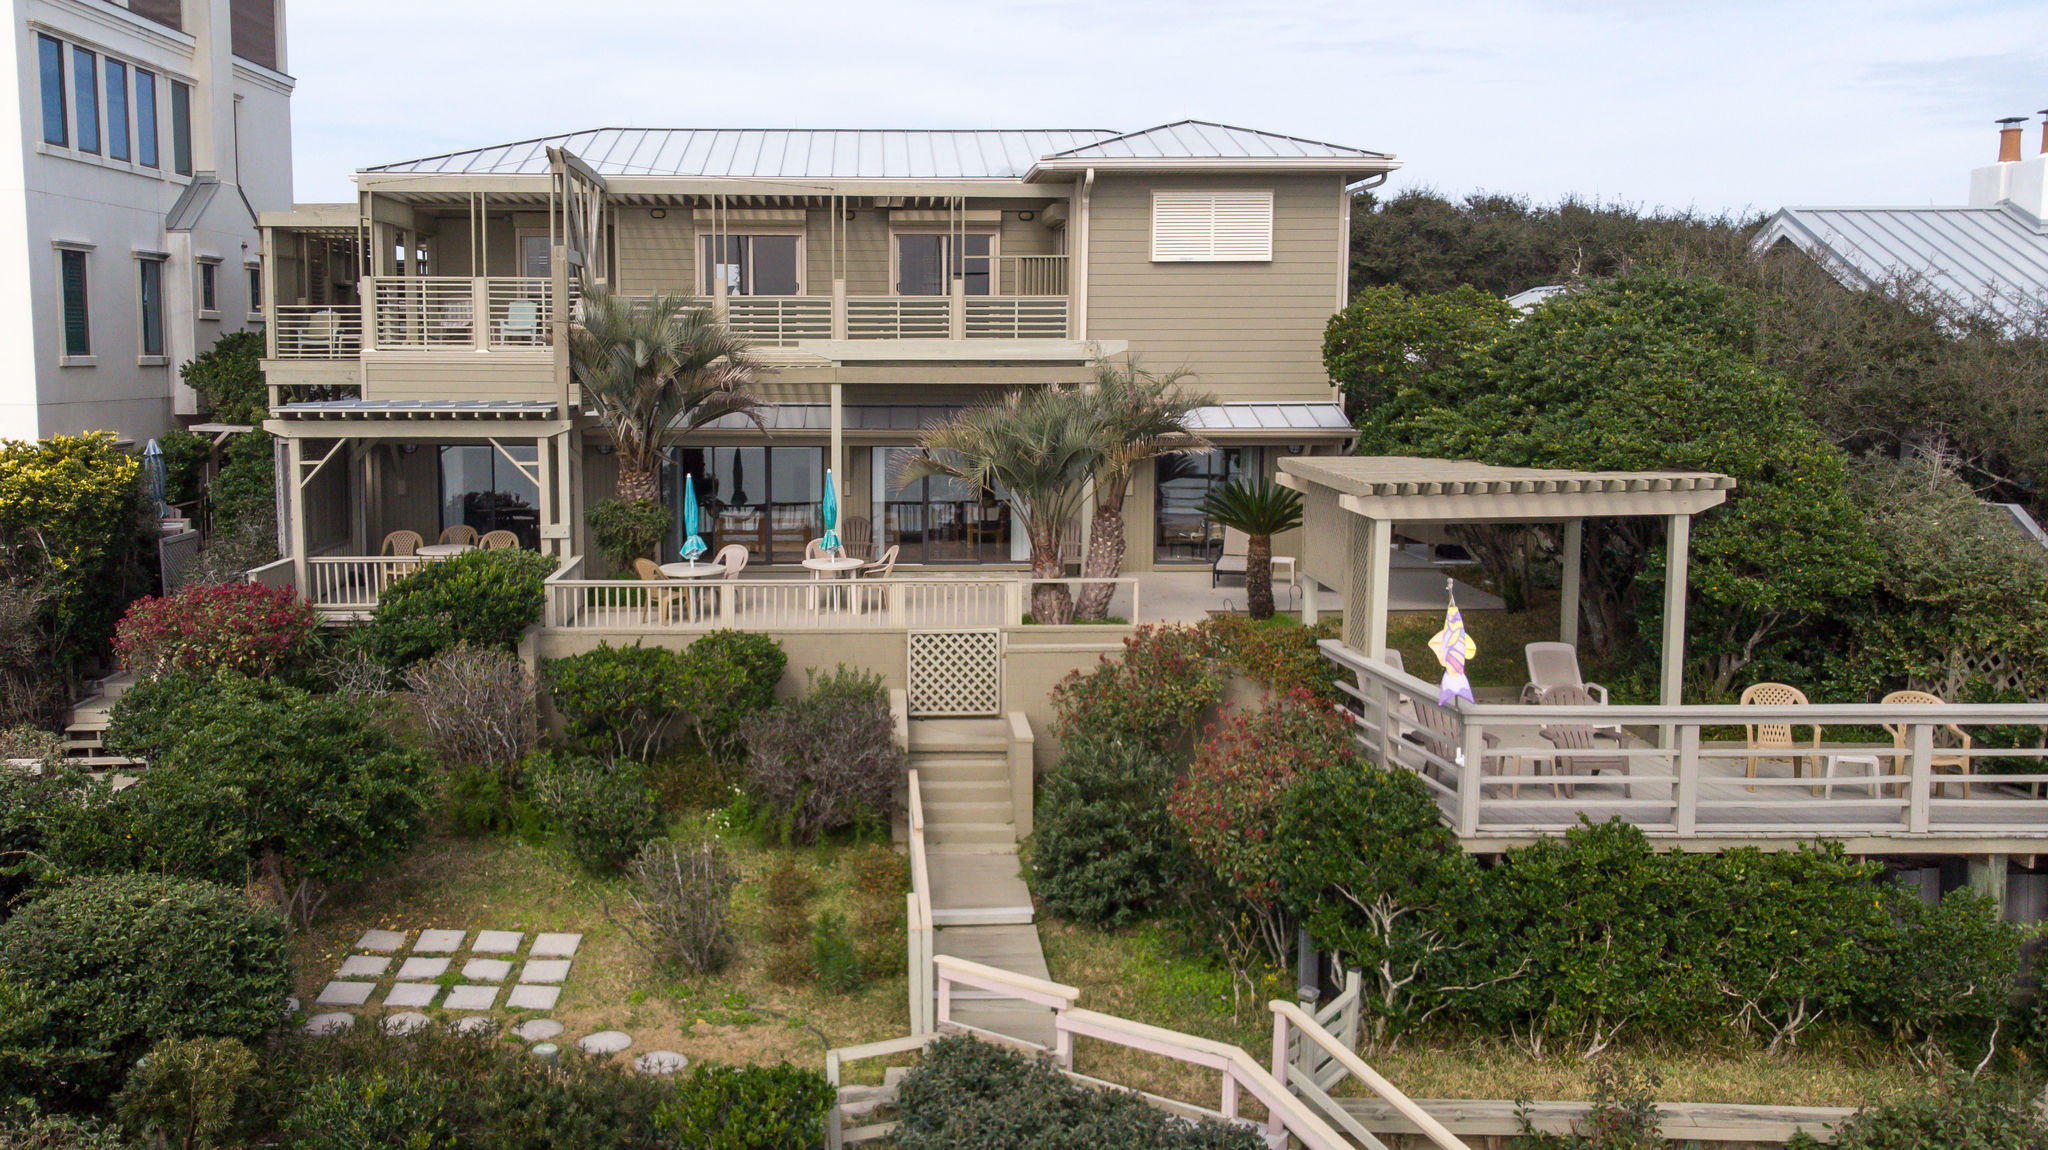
780	319
425	313
782	604
1856	769
899	317
922	933
316	331
345	584
1016	317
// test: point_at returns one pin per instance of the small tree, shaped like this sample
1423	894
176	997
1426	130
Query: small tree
682	891
627	531
229	379
1261	511
243	628
478	706
826	761
1138	416
617	701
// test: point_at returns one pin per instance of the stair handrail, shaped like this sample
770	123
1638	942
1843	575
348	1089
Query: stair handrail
920	933
1287	1015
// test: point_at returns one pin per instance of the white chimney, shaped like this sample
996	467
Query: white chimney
2022	183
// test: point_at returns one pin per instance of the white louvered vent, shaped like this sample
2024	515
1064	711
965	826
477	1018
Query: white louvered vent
1197	227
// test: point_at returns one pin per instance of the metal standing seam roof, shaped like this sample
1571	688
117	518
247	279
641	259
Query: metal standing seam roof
1313	418
1990	260
375	408
868	153
1387	476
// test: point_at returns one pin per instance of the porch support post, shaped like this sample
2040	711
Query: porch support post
295	454
1987	876
839	441
1678	540
1568	596
565	504
1365	622
548	507
1311	602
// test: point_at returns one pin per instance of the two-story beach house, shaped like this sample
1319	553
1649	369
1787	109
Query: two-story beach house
420	378
151	133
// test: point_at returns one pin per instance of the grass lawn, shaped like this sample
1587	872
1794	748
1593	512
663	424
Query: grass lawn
741	1016
1139	973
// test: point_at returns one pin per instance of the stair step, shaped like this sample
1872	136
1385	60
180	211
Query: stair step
983	916
994	835
952	814
987	735
957	769
952	790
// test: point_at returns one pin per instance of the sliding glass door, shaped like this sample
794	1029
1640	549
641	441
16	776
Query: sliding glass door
482	489
937	519
922	260
766	499
1182	532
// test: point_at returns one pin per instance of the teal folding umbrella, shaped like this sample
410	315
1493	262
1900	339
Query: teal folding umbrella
831	540
693	545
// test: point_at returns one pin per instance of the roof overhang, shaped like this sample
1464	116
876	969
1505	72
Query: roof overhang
1272	423
1416	490
1359	167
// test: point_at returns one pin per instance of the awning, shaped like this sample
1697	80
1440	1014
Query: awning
1235	422
1227	422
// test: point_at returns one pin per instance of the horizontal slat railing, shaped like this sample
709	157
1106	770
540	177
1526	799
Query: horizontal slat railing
779	604
316	331
780	320
421	312
1016	317
1687	771
898	317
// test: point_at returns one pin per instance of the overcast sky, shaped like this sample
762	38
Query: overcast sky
1720	105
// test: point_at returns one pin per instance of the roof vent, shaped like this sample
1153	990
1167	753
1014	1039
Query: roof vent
2009	139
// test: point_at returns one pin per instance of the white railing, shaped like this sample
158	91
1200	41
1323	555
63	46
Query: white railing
921	932
780	320
316	331
1341	1013
415	313
781	604
1031	275
276	575
338	584
1293	1024
899	317
1853	769
1016	317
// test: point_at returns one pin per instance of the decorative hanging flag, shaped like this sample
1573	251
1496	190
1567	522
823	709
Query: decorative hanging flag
693	546
1453	647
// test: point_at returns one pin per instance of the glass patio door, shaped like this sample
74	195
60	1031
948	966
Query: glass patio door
923	259
939	519
1182	533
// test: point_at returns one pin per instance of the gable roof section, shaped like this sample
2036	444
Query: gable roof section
1987	261
890	154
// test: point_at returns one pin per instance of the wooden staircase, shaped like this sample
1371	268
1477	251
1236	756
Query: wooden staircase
85	728
964	768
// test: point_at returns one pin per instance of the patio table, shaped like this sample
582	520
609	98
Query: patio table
442	550
692	596
834	567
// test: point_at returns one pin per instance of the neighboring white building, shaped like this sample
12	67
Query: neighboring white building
151	133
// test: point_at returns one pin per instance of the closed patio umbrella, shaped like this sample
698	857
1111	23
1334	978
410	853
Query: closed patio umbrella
693	545
159	476
831	540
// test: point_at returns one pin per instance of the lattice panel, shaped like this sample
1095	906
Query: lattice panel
956	673
1991	668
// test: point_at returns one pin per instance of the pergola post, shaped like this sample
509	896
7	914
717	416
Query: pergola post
1678	539
1365	623
838	459
1568	594
295	480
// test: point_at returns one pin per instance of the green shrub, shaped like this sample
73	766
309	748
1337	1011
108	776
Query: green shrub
483	598
34	809
1366	864
1154	696
32	1130
183	1093
1978	1113
730	676
826	761
682	890
1104	851
71	509
605	811
1623	1116
626	530
1948	973
229	379
834	960
617	701
747	1108
408	1110
120	962
476	801
969	1095
1279	656
244	489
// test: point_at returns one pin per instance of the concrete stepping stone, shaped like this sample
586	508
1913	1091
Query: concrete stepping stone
291	1005
363	966
340	993
381	940
421	969
605	1042
439	941
537	1029
660	1062
533	997
470	998
476	1024
545	970
555	945
412	994
330	1022
404	1022
486	969
496	942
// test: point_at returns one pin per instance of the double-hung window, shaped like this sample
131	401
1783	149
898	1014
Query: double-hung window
209	289
150	295
71	285
56	114
255	288
753	264
85	85
181	128
145	118
926	260
117	110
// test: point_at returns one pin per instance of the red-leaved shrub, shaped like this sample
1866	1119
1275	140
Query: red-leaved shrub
1154	695
246	628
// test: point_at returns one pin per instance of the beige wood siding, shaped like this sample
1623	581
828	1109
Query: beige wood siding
1250	330
459	375
252	28
654	255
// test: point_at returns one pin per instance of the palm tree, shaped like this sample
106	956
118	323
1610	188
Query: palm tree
656	368
1139	416
1261	511
1039	448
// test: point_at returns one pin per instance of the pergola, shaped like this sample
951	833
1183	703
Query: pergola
1351	504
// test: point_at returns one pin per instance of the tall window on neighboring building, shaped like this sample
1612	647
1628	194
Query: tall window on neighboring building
85	83
50	53
209	287
117	110
151	294
145	118
754	265
252	30
181	128
71	287
255	288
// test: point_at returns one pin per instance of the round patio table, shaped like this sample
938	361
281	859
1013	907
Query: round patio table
691	597
834	567
442	550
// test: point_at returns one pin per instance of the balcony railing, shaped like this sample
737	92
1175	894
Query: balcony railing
316	331
899	317
421	313
780	319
